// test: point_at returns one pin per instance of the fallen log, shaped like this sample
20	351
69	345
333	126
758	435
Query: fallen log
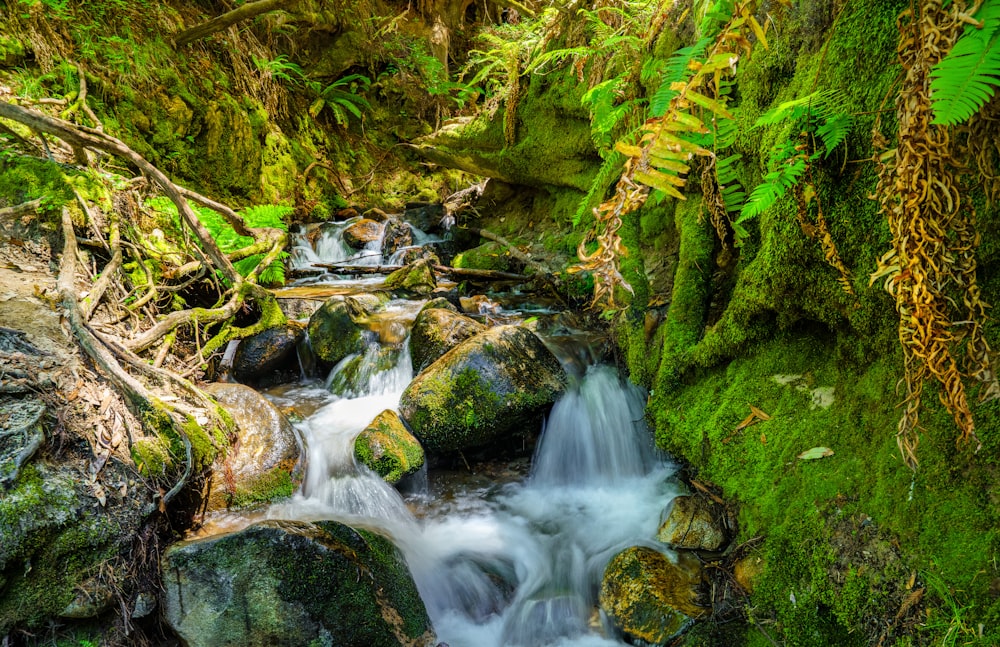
460	273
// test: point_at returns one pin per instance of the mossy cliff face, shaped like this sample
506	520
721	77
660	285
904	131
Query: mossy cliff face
773	329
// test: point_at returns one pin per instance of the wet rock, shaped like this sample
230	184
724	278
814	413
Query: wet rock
415	254
436	331
487	388
264	462
362	232
145	604
269	356
21	434
650	598
439	302
375	214
425	216
388	448
297	308
293	583
333	334
479	304
693	523
397	235
417	278
353	375
366	304
92	599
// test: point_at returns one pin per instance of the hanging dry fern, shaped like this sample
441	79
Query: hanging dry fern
931	266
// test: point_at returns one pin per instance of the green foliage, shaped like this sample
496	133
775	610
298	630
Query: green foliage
676	70
820	115
787	165
342	97
963	81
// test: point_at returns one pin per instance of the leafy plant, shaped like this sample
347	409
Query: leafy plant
819	115
787	164
964	80
342	97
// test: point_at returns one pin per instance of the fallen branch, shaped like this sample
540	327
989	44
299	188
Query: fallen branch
241	13
454	272
514	251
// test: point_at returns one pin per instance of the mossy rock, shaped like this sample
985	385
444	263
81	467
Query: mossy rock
366	304
333	334
436	331
293	583
693	523
361	233
388	448
55	537
490	386
650	598
269	356
417	278
264	463
439	302
489	256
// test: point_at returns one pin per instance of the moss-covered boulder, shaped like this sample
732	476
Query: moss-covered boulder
333	334
439	302
694	523
269	356
361	233
416	278
490	386
650	598
293	583
388	448
366	303
436	331
488	256
265	461
56	537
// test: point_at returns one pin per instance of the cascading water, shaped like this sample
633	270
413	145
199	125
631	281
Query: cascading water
518	564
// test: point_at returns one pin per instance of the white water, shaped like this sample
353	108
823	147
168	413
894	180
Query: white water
521	565
497	566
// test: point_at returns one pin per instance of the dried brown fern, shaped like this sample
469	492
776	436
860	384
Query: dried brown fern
931	266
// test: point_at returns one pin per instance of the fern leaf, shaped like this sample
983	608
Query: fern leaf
964	80
834	130
814	103
676	70
776	184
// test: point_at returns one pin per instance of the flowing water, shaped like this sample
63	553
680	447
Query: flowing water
497	564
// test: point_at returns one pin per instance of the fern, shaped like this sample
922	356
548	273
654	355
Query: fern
342	98
820	113
964	80
731	190
273	274
676	70
787	166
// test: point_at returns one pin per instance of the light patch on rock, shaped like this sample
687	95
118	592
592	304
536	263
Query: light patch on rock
820	398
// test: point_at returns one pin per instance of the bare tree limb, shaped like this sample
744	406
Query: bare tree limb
18	209
241	13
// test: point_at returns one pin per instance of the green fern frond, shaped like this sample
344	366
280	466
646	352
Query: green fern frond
834	130
610	170
812	104
557	57
775	185
733	195
676	70
964	80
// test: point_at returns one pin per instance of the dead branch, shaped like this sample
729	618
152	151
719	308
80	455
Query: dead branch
514	251
241	13
454	272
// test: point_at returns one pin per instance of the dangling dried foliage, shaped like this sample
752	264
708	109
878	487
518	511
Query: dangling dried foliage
931	267
667	145
815	227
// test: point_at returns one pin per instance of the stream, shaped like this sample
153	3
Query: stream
501	556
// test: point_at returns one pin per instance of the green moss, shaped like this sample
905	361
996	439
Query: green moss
152	457
271	486
488	256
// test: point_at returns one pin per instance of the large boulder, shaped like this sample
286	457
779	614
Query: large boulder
333	334
693	523
293	583
362	233
269	357
417	278
436	331
490	386
650	598
388	448
265	461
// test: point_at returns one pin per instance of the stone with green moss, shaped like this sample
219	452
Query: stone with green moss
650	598
488	256
694	523
259	358
388	448
417	278
264	463
333	334
292	583
436	331
491	386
